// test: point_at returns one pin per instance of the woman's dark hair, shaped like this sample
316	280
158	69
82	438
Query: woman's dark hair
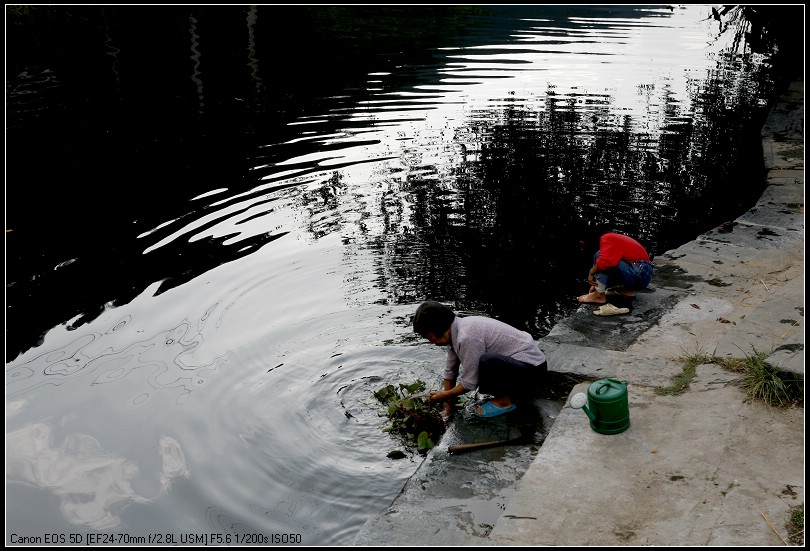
589	230
432	317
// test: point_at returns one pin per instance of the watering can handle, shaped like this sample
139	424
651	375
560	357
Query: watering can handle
606	383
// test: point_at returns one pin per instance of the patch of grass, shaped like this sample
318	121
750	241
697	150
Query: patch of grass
681	381
764	382
760	380
735	365
795	526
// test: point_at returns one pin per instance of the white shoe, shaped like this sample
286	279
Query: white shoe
610	310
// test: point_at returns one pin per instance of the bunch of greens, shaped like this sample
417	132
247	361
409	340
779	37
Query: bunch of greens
411	416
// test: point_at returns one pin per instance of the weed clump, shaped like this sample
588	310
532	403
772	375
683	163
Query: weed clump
764	382
795	526
680	382
760	380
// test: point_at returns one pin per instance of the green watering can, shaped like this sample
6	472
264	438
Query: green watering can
607	408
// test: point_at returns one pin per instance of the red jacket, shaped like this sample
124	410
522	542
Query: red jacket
614	247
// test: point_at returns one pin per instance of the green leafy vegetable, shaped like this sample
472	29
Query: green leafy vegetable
415	419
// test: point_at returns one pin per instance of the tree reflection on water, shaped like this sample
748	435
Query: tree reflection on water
162	104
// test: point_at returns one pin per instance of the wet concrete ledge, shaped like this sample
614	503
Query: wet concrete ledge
707	467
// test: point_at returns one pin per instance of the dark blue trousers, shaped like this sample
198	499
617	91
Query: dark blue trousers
633	276
501	375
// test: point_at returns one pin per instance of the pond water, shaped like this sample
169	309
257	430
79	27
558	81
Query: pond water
221	219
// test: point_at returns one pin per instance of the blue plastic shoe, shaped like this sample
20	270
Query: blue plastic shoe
491	410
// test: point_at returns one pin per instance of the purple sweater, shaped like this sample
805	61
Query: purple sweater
473	336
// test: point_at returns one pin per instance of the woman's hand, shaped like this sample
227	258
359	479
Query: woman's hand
447	406
447	411
438	396
592	276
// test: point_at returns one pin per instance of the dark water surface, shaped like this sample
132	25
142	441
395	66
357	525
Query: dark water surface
219	221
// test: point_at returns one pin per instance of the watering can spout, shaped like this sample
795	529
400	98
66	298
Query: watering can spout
578	401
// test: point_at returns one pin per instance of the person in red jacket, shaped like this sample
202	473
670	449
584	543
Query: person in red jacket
621	265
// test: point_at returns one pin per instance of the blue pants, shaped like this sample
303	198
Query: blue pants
501	375
630	276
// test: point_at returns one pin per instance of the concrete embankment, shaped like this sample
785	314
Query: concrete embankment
708	466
